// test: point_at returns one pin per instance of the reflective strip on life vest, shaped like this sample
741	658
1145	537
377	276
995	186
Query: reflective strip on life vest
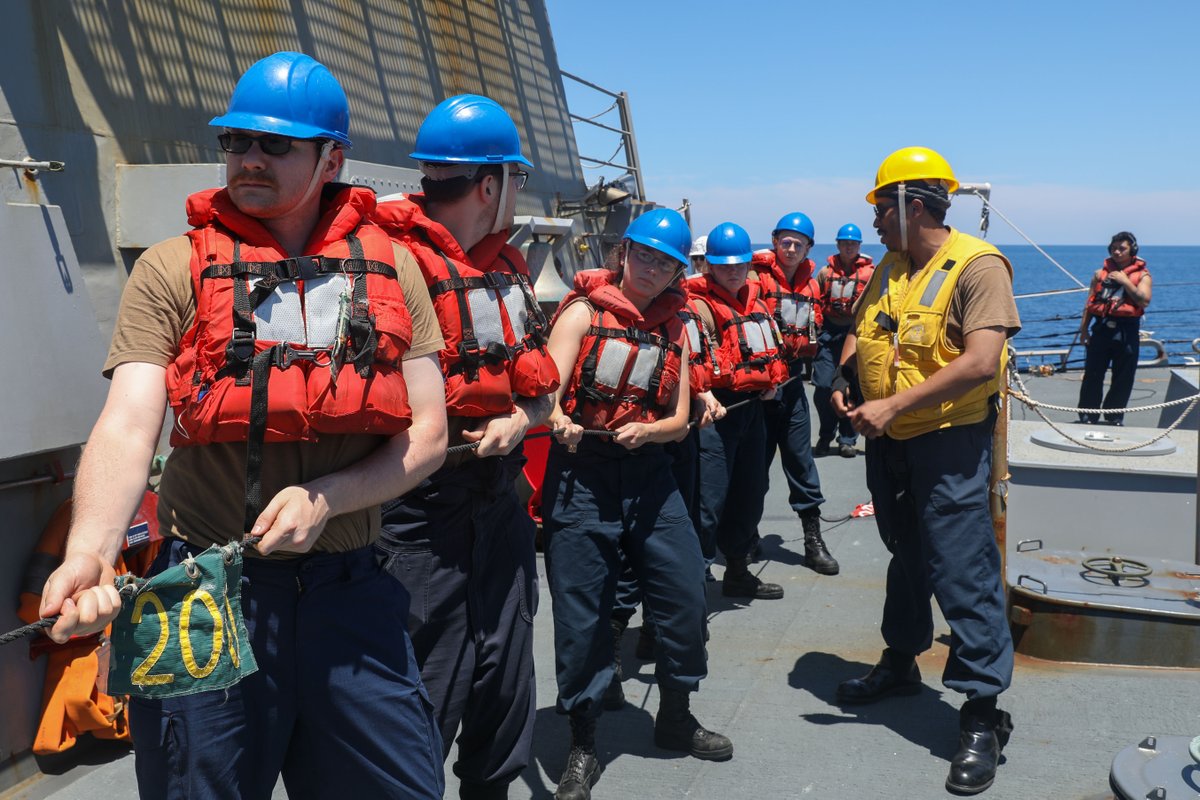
485	314
795	311
614	357
693	334
936	280
649	357
756	334
283	316
842	288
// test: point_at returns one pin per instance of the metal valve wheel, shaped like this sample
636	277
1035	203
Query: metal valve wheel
1116	567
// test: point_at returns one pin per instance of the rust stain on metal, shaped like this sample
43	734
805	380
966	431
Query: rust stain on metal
32	190
1052	559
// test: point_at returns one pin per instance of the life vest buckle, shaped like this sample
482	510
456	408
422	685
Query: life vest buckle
240	350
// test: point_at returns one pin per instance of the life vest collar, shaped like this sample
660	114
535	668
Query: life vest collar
600	287
835	263
343	209
408	216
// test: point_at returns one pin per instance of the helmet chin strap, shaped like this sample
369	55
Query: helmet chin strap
326	149
625	249
901	209
500	223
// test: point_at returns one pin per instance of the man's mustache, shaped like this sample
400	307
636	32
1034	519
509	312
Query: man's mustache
255	177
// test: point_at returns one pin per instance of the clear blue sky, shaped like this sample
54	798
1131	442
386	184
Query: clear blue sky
1084	116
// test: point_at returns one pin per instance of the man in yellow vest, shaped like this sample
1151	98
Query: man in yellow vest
927	354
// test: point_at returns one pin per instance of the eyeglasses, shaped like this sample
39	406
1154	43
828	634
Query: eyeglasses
789	243
271	144
650	258
882	208
520	176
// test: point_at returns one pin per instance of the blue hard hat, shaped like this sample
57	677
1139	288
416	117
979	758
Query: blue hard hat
290	94
469	129
800	223
664	230
849	233
728	244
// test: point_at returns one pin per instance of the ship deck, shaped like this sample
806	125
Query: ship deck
773	670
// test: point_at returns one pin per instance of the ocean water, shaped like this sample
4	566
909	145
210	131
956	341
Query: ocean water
1050	322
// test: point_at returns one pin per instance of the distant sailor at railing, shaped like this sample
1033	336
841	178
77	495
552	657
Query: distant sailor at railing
928	352
1120	292
282	283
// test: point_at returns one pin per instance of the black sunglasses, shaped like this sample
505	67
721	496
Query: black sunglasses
271	144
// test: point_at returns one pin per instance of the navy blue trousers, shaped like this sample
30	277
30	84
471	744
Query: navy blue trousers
685	467
789	430
931	506
829	353
1119	347
733	478
600	504
463	546
336	706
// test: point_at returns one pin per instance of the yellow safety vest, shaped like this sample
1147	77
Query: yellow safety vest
901	328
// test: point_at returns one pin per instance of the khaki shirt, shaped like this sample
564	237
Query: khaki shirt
202	493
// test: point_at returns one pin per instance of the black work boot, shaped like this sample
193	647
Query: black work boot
740	582
482	791
582	769
676	729
895	673
614	695
816	554
983	732
647	638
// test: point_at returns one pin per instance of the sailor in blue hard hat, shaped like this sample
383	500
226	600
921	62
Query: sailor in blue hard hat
842	281
283	99
789	282
469	135
464	542
621	350
332	701
733	466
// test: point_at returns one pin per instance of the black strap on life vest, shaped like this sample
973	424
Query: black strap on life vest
283	355
537	332
748	359
786	328
239	353
471	355
587	374
703	353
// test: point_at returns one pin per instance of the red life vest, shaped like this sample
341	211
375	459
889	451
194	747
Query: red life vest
629	361
795	305
495	331
701	361
840	289
316	341
1110	300
747	355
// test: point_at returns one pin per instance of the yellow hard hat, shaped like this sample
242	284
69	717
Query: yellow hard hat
913	164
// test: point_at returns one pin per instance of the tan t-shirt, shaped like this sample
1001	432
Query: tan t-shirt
983	298
202	493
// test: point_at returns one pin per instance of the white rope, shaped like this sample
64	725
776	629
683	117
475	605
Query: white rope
1000	214
1022	394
